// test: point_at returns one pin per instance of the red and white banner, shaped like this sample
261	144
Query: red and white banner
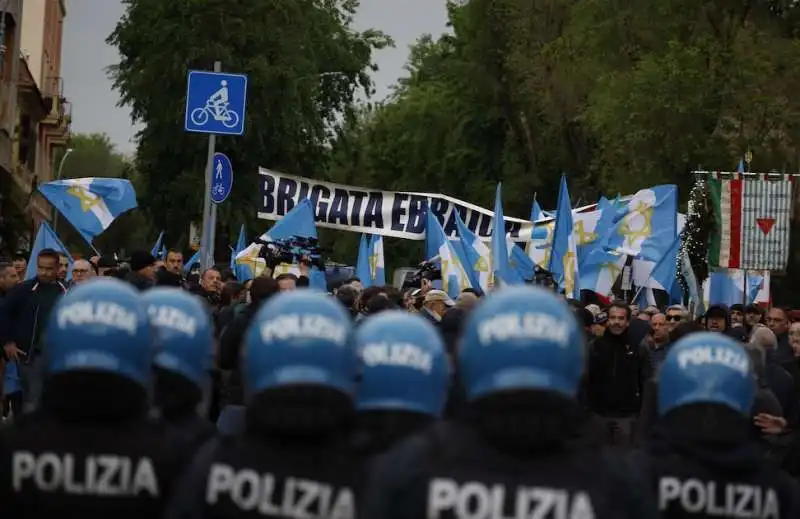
753	213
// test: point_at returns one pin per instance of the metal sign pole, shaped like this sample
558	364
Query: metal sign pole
206	244
212	235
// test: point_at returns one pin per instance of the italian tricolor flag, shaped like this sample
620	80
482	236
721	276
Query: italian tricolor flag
752	213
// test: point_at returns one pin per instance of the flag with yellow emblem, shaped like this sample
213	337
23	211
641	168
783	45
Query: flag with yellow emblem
644	227
503	273
298	222
90	204
564	254
370	264
454	275
477	255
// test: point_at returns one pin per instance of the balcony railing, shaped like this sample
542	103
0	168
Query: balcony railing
60	109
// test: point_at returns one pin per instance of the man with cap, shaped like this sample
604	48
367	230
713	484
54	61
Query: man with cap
143	272
718	319
737	314
103	264
518	451
599	324
435	305
299	370
89	450
753	315
703	460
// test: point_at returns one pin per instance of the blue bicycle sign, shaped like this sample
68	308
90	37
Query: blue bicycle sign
215	103
219	190
217	108
222	178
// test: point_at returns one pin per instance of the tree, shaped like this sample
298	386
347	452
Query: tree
305	65
618	95
93	155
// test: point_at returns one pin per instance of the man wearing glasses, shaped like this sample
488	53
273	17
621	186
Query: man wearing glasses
675	315
81	272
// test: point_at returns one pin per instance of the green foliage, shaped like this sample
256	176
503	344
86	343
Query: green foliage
700	225
305	64
93	155
618	94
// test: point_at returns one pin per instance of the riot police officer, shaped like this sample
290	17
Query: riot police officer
183	361
521	360
299	368
404	379
703	459
89	450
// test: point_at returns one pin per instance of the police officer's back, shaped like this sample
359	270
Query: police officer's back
521	360
299	371
404	379
89	450
703	459
183	361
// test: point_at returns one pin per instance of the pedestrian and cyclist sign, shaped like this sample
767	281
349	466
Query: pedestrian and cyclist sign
223	178
215	103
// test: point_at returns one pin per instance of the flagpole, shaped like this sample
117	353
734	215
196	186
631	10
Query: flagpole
745	290
209	215
58	177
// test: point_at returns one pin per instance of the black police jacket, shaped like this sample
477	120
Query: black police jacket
717	480
193	430
247	476
448	471
124	470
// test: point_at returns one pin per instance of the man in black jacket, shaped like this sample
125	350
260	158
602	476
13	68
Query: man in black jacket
616	374
23	317
143	271
718	319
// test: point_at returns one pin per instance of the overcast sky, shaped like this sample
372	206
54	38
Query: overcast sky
85	56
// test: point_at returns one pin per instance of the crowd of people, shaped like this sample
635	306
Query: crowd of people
135	389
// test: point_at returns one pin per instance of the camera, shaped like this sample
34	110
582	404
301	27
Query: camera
425	270
293	249
542	278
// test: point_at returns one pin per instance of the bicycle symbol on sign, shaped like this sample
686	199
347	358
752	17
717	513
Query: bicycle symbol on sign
218	190
217	108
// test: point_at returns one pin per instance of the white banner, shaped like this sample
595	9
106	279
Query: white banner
387	213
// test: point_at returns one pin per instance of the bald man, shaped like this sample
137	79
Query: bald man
81	271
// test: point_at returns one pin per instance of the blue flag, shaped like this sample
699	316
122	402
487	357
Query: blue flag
564	252
159	244
187	267
643	227
241	272
454	277
46	238
297	222
502	272
370	264
362	262
90	204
